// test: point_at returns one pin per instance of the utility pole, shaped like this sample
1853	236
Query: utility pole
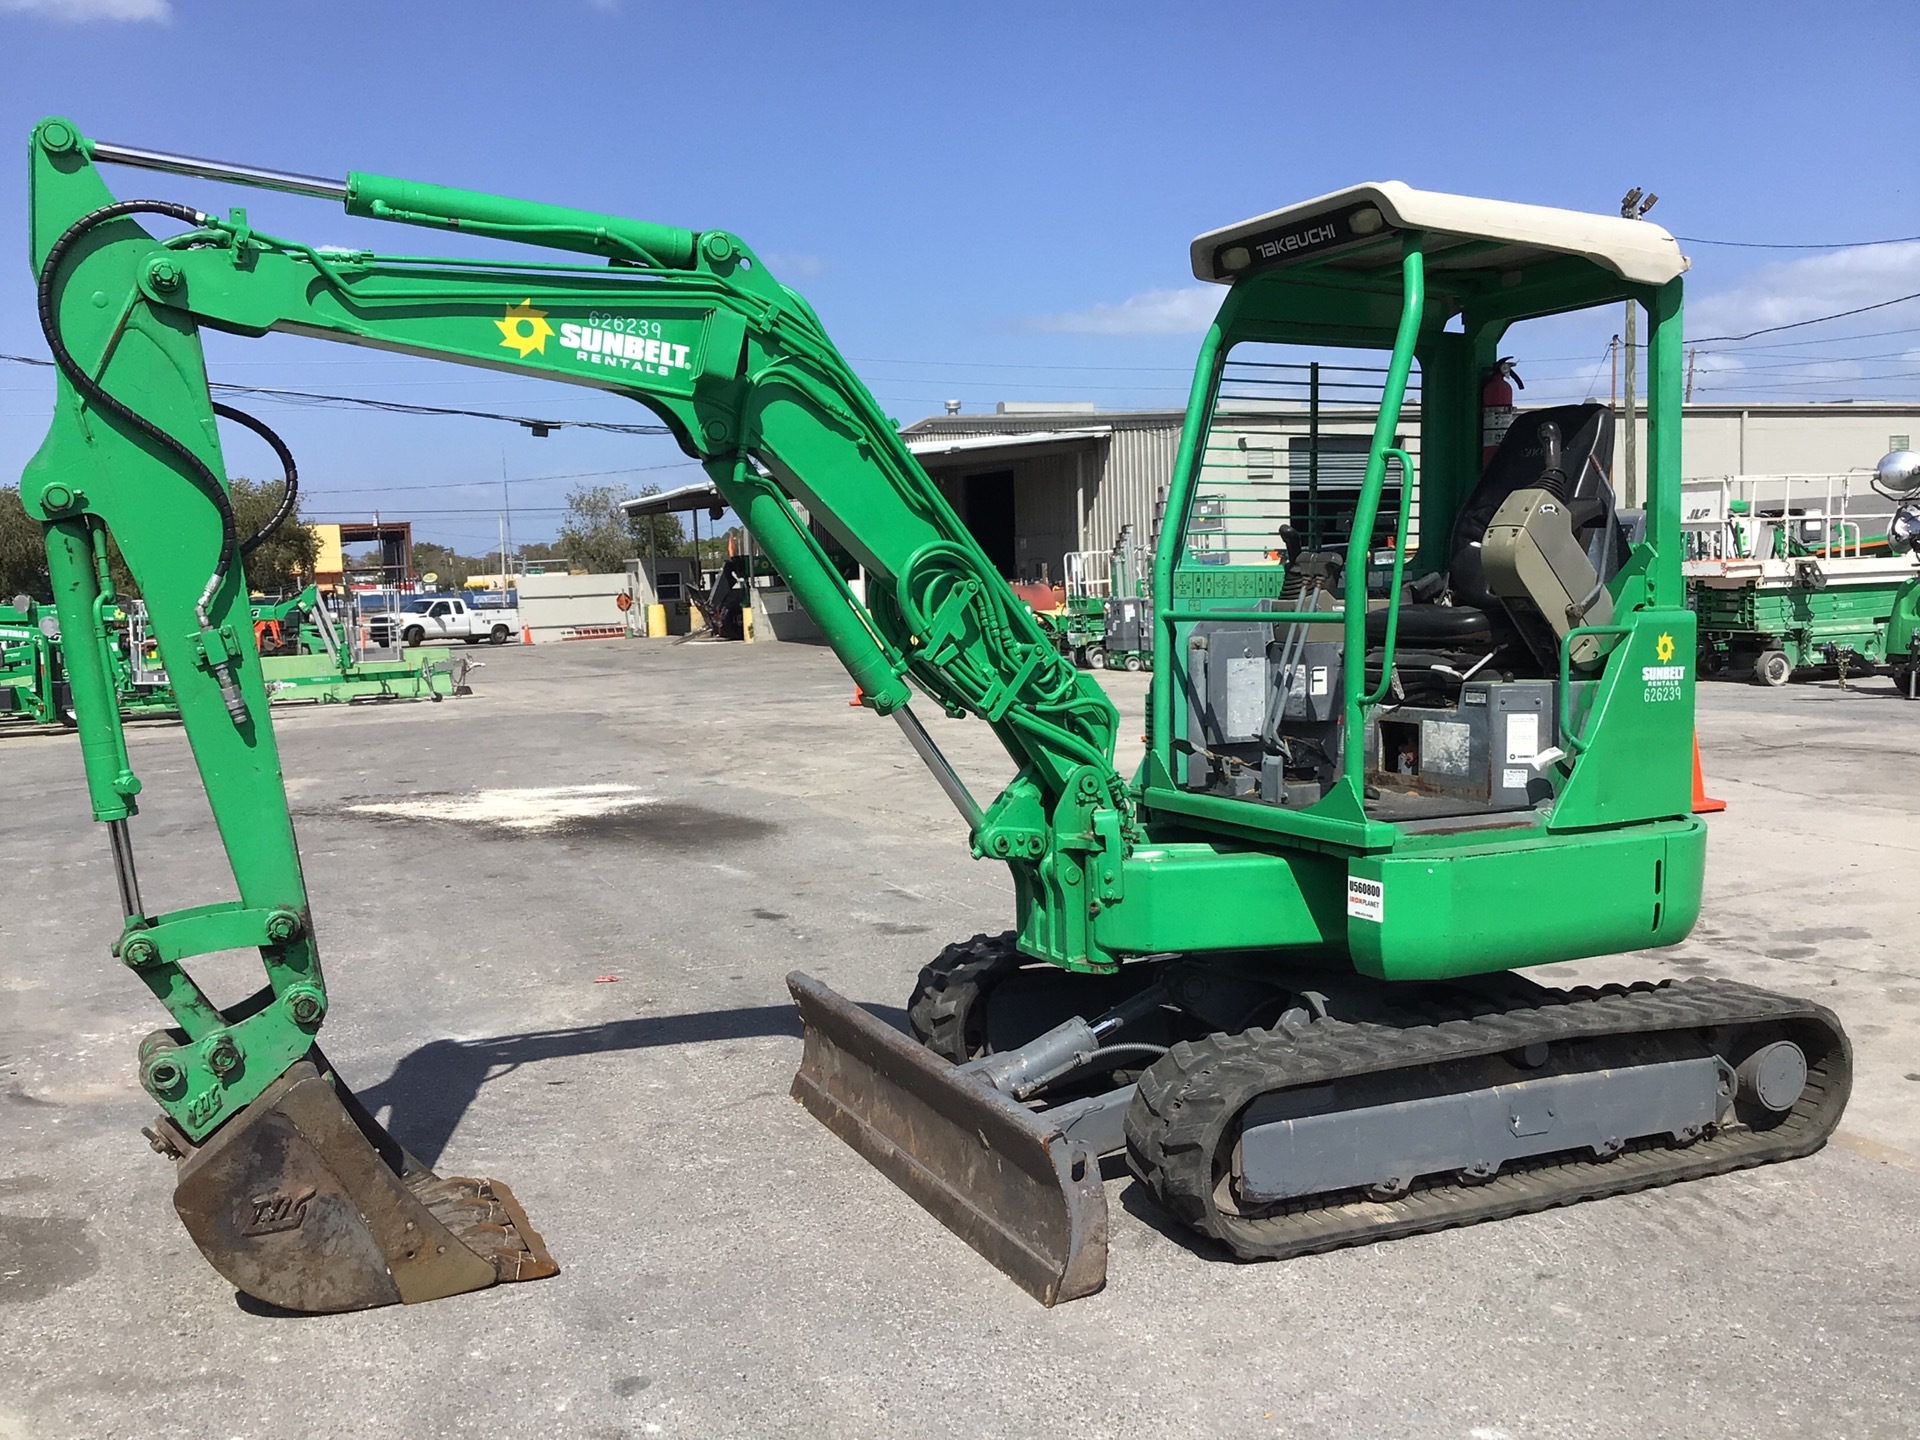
1613	373
1693	352
1633	206
506	515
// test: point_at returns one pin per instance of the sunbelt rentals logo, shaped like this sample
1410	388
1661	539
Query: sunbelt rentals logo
525	329
1663	680
621	342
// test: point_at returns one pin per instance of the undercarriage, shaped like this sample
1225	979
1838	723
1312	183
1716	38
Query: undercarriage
1337	1111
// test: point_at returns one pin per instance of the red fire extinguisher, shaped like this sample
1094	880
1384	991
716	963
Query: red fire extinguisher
1496	406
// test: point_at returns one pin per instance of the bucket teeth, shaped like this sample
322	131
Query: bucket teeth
483	1216
305	1202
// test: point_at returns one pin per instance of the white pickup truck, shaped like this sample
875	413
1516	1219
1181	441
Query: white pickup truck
442	617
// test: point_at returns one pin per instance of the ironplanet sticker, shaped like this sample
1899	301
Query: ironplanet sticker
1366	899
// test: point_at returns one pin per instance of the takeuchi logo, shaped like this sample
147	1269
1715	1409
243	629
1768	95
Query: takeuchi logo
525	329
1663	648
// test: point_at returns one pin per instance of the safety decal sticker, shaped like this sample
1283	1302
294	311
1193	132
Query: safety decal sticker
1366	899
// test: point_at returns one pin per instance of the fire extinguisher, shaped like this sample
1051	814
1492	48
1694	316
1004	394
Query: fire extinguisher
1496	406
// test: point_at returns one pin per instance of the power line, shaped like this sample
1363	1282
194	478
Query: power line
400	407
1769	245
317	493
1804	382
1798	324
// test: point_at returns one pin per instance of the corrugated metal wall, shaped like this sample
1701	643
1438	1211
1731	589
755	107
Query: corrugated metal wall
1118	478
1124	472
1134	464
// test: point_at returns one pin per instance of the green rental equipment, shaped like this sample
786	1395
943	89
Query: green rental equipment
1897	477
33	686
308	657
1786	577
1275	968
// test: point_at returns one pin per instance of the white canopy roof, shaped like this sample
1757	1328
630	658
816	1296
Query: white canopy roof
923	445
701	495
1356	218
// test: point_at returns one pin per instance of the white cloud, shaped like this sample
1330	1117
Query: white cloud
1820	362
1185	311
792	265
79	12
1801	289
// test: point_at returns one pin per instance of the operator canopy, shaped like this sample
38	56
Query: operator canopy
1352	230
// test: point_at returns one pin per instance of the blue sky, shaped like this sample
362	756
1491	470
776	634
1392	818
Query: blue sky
983	201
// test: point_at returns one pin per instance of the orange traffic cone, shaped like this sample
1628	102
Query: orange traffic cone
526	634
858	695
1703	804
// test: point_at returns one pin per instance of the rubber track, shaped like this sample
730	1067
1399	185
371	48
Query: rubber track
941	1007
1182	1112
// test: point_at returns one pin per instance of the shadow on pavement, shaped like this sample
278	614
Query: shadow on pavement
431	1088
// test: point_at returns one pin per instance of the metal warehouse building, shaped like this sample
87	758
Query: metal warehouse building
1036	481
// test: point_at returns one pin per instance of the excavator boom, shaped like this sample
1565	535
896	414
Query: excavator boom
290	1188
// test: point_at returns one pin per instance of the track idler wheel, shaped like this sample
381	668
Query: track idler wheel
305	1202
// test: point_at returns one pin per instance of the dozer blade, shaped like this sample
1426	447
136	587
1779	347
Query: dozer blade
1001	1177
304	1201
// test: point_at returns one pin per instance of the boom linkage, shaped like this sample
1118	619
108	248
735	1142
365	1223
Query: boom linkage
690	325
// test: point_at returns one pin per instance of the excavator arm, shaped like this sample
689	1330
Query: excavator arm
282	1172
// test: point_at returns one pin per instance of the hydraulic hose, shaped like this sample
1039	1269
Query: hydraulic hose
101	400
288	474
1126	1049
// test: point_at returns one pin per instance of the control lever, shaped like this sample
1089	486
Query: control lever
1553	478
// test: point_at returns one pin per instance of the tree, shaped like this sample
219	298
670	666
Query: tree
600	537
23	553
667	534
283	562
595	535
453	568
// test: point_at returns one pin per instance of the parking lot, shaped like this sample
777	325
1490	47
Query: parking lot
593	1010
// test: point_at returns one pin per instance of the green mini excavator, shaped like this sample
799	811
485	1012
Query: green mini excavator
1420	718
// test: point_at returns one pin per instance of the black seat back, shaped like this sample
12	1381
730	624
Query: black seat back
1586	457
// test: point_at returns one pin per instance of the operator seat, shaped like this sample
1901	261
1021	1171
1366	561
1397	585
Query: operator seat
1477	620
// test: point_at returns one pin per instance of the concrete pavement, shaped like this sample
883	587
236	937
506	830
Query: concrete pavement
729	1268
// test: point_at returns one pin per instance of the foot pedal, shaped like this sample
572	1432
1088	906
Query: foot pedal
305	1202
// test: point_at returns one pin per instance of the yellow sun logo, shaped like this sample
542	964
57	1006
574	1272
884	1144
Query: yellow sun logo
525	329
1663	648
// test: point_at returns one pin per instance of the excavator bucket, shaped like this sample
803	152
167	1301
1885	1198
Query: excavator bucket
305	1202
998	1175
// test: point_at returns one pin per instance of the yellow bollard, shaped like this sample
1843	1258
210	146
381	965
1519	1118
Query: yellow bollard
656	620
